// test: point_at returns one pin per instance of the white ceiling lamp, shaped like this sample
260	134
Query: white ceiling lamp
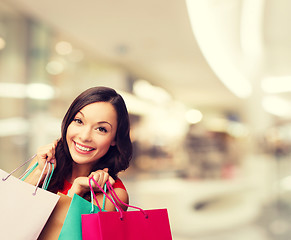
12	90
276	84
277	106
145	90
251	28
38	91
136	105
193	116
13	126
55	67
64	48
210	27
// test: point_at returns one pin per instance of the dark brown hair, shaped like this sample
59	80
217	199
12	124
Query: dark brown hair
118	156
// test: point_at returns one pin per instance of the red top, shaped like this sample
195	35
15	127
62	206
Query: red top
67	186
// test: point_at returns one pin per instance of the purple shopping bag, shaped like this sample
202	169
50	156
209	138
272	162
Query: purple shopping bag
126	225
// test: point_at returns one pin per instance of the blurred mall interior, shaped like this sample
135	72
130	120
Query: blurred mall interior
207	85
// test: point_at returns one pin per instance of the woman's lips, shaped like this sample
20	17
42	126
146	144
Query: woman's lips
82	148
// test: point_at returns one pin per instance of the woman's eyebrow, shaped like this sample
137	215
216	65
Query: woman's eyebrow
81	113
97	122
105	122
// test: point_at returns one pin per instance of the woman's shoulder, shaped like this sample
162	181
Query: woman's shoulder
119	184
67	186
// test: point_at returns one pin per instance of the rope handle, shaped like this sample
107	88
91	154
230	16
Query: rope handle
92	200
48	177
114	195
4	179
98	205
28	171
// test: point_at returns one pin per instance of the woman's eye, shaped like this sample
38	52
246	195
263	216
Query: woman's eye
102	129
77	120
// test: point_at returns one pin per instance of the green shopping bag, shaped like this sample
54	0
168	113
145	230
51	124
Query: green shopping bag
72	227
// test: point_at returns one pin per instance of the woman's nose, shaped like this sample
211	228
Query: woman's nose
85	134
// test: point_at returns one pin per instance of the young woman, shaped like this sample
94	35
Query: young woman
94	142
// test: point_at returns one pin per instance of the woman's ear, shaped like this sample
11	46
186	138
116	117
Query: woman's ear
113	143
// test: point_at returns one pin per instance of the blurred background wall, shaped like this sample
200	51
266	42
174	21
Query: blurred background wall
207	85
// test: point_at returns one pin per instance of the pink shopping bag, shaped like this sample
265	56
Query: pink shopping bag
126	225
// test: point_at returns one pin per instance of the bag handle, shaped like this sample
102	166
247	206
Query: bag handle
114	196
47	177
98	205
4	179
28	171
92	200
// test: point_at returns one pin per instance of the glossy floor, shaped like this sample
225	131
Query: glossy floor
238	209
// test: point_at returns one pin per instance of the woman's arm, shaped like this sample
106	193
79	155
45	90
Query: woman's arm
81	186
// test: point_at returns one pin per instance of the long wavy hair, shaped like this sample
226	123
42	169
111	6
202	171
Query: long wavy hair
117	157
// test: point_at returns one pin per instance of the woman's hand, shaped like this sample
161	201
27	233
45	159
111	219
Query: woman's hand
81	184
101	177
46	154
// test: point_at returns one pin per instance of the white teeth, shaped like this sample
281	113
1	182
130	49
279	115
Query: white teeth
83	148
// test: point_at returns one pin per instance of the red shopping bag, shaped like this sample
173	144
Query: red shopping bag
125	225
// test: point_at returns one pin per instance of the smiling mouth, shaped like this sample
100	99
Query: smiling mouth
82	148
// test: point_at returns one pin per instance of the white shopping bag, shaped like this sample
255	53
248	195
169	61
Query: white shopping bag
24	209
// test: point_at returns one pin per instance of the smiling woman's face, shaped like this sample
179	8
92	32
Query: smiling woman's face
92	132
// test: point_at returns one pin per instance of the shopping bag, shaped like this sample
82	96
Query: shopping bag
24	208
72	227
53	227
126	225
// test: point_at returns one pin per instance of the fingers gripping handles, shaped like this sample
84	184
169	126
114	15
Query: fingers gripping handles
94	195
28	171
114	196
